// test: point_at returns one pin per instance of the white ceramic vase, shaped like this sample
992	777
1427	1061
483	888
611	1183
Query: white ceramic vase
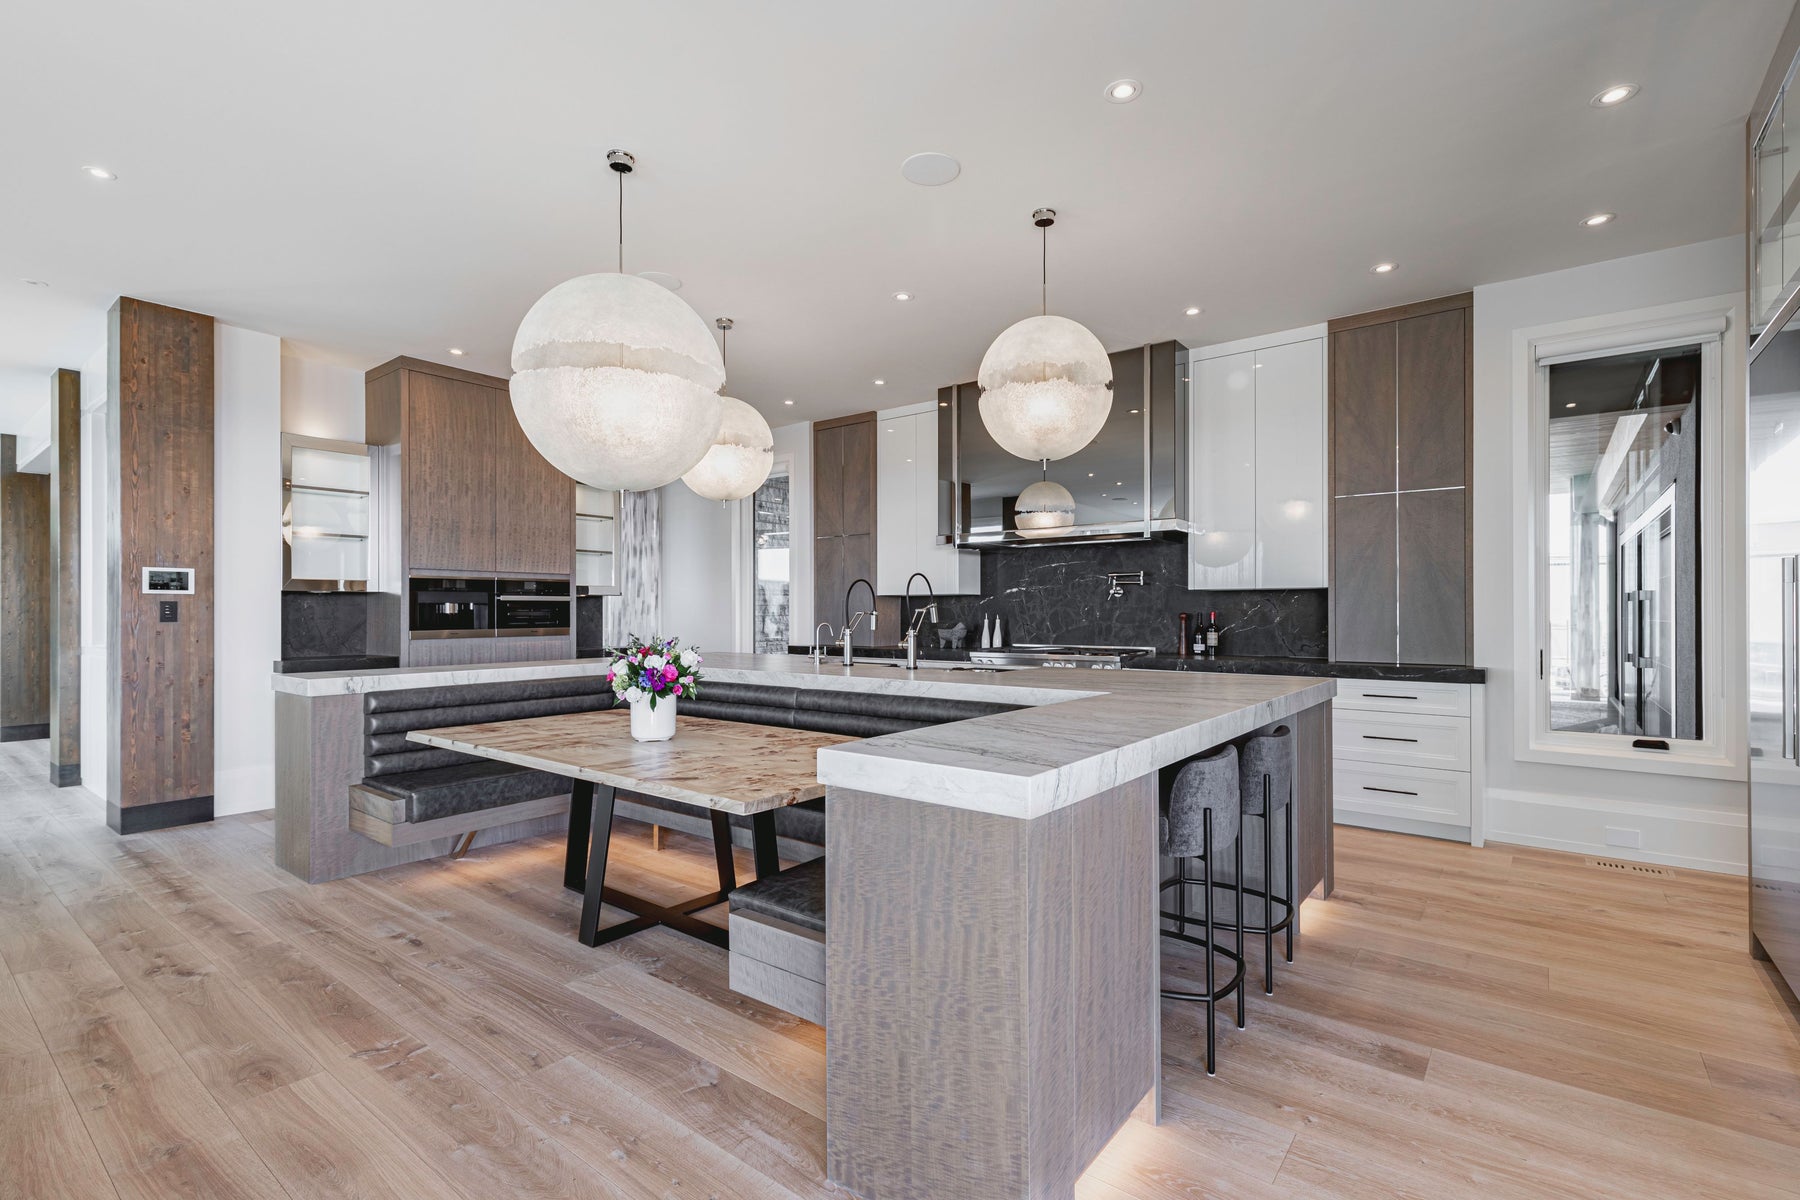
653	724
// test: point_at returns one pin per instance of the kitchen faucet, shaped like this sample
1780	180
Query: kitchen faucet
818	646
850	623
916	620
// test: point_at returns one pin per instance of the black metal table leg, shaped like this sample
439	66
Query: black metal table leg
581	817
600	827
762	840
721	827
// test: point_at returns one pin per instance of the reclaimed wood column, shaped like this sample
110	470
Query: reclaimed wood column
65	578
24	599
159	416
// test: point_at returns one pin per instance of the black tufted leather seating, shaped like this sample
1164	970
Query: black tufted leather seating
796	895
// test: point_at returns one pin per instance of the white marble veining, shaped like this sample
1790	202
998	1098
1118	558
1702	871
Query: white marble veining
1082	732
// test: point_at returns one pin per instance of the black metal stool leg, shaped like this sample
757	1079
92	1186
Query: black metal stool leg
1293	871
1241	989
1212	1004
1269	896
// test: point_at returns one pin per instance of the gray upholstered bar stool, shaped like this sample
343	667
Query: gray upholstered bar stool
1205	816
1266	779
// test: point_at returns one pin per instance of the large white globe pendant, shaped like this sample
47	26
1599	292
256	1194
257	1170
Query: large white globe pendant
1046	382
1044	509
740	458
615	378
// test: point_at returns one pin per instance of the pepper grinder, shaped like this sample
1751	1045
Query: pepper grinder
1184	643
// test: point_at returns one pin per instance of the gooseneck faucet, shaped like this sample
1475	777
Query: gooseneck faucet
851	622
818	646
915	620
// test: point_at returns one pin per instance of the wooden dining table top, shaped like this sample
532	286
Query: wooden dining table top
731	766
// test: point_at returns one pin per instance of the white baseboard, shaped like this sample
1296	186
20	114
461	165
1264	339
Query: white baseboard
1700	839
246	789
1342	815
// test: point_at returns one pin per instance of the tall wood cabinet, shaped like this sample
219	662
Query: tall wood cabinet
843	518
1401	410
476	498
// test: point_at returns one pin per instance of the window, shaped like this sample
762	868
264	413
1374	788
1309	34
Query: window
772	576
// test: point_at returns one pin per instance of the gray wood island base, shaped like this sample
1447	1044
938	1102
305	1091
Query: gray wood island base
991	952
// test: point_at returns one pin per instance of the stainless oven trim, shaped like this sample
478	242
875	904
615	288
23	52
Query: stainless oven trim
438	635
538	599
533	631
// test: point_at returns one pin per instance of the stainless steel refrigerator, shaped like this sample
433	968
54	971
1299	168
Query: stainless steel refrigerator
1773	628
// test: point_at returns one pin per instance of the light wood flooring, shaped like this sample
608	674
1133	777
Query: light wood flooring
178	1018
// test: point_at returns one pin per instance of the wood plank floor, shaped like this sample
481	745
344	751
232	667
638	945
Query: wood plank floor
178	1018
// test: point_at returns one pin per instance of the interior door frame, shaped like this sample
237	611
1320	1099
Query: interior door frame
743	561
1713	324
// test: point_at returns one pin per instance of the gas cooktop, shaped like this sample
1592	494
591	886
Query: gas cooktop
1099	658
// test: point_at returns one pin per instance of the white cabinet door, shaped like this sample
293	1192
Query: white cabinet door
896	519
1290	465
1222	471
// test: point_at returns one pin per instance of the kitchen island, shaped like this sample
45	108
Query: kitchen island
991	949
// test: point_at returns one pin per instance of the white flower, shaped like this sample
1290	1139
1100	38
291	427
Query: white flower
687	659
655	662
621	669
633	695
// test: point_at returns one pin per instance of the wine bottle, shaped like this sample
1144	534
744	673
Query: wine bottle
1211	633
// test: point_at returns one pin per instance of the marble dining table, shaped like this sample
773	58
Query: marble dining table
725	768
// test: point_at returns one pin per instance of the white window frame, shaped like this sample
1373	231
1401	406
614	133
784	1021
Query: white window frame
743	564
1714	324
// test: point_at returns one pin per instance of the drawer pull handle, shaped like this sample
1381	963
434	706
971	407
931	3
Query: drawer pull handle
1389	791
1376	737
1386	696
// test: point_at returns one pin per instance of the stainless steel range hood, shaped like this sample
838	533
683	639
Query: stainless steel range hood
1129	483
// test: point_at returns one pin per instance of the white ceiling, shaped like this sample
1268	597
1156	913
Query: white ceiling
402	177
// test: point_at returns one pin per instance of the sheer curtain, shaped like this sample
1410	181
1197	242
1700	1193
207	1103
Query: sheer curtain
637	609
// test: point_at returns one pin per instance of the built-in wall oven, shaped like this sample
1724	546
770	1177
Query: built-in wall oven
532	607
450	608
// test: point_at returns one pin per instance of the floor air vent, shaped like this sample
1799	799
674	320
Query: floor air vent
1631	868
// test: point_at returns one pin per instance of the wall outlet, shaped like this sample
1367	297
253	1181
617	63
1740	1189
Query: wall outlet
1629	839
168	610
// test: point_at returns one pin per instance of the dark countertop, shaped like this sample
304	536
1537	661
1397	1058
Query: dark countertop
1311	666
342	662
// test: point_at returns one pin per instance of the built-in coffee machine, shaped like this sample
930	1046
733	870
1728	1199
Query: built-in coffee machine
450	608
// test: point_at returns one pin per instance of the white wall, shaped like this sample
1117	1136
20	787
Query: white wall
1683	820
699	588
96	636
320	399
795	443
247	416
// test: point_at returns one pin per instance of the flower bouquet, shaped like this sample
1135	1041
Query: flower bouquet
651	676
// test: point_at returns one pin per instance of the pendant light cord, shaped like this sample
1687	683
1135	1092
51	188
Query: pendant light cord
1044	269
621	176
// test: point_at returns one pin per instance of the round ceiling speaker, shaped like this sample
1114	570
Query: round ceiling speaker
930	169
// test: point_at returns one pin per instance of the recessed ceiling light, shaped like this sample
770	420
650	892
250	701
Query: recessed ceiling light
881	383
34	283
1192	310
1090	474
457	350
1570	404
100	172
788	402
1598	219
930	169
903	296
1124	91
1133	413
1384	268
1617	94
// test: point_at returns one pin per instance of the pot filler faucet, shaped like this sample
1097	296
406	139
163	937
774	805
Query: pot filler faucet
852	621
919	616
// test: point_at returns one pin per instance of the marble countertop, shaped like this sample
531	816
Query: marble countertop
1252	665
1081	732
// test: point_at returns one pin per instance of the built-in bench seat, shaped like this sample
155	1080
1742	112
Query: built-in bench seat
412	793
778	940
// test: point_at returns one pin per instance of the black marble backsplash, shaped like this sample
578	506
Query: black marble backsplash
590	628
1059	594
324	624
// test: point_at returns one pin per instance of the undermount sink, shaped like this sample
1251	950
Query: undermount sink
929	665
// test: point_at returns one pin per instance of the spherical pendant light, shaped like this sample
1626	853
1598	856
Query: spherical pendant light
1046	382
741	456
1043	510
615	378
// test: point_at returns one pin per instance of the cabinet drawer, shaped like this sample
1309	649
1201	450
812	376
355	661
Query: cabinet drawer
1406	739
1443	699
1412	793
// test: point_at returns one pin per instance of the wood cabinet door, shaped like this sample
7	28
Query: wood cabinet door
448	462
858	562
1363	409
828	481
1363	628
828	583
857	478
1432	577
1433	399
534	503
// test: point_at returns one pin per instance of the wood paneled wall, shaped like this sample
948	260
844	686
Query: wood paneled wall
65	578
159	411
844	521
24	599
